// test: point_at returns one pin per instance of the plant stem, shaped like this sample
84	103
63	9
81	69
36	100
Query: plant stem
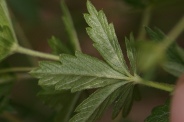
23	40
26	51
174	33
145	22
16	69
161	86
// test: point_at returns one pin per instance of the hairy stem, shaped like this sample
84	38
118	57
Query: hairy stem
157	85
26	51
16	69
154	84
145	22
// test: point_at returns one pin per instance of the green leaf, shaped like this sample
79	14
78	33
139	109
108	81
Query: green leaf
174	68
7	39
72	44
124	101
7	44
156	34
58	47
62	102
150	55
92	108
105	40
160	113
5	90
175	54
68	23
131	53
4	21
76	73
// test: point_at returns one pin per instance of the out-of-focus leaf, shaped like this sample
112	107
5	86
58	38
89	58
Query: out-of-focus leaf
150	55
174	63
73	41
174	68
62	102
160	113
8	41
5	89
58	47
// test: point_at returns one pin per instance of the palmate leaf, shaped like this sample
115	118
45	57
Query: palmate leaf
76	73
105	40
175	54
160	113
92	108
7	38
81	71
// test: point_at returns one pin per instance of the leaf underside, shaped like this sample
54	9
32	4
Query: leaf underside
76	73
93	107
7	41
131	53
104	38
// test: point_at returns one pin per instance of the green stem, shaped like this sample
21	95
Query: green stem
26	51
161	86
16	69
145	22
174	33
23	40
